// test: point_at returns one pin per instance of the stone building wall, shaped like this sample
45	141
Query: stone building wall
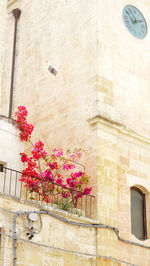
71	241
97	101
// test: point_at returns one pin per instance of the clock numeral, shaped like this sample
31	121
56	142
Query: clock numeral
126	22
130	28
134	32
142	26
130	10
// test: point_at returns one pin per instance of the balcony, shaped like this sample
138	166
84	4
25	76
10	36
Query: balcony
11	186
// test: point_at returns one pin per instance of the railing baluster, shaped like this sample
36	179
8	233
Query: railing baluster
26	193
16	184
76	207
85	205
21	189
57	199
36	197
61	203
52	200
4	181
71	207
90	206
10	182
81	205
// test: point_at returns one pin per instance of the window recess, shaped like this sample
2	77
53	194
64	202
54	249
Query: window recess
138	214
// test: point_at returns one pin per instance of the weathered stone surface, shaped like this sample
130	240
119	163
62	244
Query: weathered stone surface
97	101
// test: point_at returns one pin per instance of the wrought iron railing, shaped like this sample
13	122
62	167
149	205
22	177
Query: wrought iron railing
10	185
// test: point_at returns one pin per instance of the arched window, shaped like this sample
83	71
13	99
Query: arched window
138	213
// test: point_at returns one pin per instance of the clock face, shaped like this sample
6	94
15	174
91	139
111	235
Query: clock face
134	21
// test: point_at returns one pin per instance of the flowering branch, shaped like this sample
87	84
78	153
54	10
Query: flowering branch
59	175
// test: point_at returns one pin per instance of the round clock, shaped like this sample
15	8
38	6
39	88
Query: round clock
134	21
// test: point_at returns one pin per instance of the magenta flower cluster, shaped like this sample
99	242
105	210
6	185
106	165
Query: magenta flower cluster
46	174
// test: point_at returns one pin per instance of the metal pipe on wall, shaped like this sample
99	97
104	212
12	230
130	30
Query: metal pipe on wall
16	13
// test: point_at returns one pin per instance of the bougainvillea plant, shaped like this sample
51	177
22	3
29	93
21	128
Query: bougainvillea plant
48	175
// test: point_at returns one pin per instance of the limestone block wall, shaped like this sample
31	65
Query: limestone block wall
56	243
123	67
62	239
123	163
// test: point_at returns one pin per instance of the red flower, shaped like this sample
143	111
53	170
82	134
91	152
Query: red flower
24	157
39	145
25	128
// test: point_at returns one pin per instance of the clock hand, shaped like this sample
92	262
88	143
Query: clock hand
139	21
130	17
134	18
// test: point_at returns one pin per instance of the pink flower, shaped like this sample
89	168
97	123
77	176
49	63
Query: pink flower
57	153
53	165
68	166
59	181
78	195
78	174
71	183
48	174
65	194
87	190
68	181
